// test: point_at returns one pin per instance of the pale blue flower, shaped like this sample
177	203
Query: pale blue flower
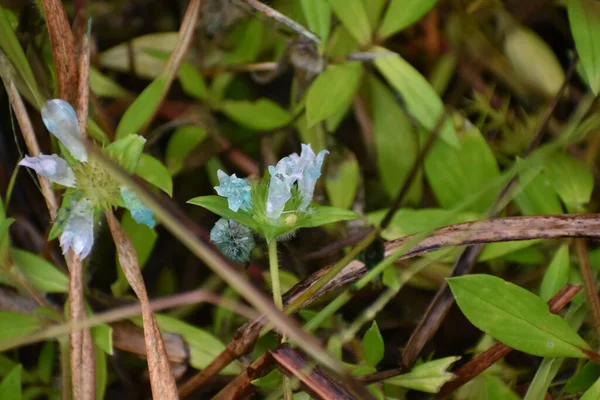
78	233
236	190
234	240
140	213
52	167
61	120
304	170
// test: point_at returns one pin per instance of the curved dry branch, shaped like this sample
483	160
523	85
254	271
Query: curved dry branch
490	231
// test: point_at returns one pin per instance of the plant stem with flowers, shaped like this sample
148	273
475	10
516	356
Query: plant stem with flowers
274	208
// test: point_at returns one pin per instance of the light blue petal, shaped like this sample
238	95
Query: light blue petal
236	190
61	120
140	213
311	173
235	241
78	234
283	177
52	167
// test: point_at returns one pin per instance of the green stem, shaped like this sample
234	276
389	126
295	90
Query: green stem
274	269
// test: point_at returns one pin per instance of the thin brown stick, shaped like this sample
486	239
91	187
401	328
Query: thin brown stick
499	350
83	90
63	48
588	282
282	19
316	381
83	355
27	131
161	377
83	373
186	33
465	234
443	300
238	387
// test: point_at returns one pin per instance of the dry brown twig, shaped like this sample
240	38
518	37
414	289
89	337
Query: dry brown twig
82	353
161	377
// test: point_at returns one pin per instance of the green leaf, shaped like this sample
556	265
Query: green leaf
102	335
515	317
101	372
13	50
272	380
592	393
394	135
500	249
10	388
401	14
192	81
571	179
14	324
63	213
315	135
4	235
46	362
428	377
203	346
533	61
102	86
537	196
126	151
7	365
142	52
183	141
248	40
451	173
353	15
342	181
42	274
323	215
218	205
143	239
332	91
154	172
584	378
340	43
421	99
261	115
374	9
584	18
96	132
318	16
373	345
143	107
497	390
557	274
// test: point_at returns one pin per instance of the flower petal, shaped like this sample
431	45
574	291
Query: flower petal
61	120
311	172
52	167
235	241
78	234
236	190
140	213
